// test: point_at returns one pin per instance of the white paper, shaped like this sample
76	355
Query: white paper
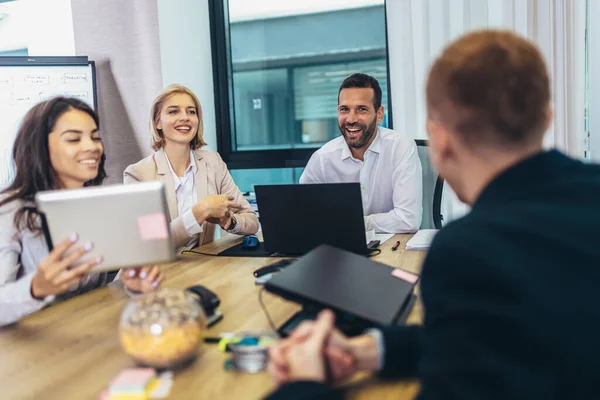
422	239
382	237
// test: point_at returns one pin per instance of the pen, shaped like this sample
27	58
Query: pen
224	335
395	247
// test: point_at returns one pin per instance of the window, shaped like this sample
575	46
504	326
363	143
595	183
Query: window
13	29
247	178
278	66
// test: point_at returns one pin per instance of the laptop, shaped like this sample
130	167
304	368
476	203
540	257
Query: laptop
362	292
297	218
128	224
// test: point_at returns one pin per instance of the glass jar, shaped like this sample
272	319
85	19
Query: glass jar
251	352
162	329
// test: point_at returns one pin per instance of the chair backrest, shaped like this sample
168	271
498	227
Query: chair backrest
432	190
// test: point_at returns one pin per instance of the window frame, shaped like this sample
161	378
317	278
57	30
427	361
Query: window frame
223	92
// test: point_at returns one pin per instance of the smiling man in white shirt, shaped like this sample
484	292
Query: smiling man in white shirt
384	162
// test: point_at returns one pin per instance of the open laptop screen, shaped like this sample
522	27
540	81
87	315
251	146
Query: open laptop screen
297	218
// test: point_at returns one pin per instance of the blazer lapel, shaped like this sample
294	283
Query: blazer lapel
201	177
164	175
201	184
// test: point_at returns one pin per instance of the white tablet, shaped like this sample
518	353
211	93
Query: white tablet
127	224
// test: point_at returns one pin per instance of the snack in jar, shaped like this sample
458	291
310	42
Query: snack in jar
162	329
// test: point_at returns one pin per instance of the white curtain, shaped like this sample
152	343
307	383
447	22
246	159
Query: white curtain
418	30
593	102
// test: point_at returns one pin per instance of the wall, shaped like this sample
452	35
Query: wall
123	39
186	58
51	28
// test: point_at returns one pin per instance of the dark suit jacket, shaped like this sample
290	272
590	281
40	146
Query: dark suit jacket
511	294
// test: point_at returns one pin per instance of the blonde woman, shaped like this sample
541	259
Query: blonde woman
200	190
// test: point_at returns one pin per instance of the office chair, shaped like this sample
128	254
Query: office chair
433	186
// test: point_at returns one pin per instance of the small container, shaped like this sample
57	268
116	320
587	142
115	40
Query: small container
162	329
252	357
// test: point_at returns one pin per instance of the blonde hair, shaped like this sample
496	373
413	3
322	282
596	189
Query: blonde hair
158	139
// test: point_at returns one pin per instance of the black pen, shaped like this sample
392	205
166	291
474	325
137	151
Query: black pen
224	335
395	247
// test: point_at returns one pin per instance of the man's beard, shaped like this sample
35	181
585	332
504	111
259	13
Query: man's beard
367	134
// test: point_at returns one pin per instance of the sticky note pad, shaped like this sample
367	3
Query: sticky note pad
163	387
404	275
132	379
153	226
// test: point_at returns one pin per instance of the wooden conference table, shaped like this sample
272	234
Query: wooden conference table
72	350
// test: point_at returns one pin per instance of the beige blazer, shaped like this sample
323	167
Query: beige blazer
212	177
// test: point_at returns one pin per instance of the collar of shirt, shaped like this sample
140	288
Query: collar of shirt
189	172
375	147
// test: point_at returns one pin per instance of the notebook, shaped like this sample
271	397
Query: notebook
345	282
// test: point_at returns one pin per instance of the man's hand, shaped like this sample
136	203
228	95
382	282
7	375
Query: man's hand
344	356
306	359
334	353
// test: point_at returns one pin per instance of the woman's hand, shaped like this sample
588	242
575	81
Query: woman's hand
225	223
214	208
58	272
142	279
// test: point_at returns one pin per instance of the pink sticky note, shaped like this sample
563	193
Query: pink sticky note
153	227
404	275
133	377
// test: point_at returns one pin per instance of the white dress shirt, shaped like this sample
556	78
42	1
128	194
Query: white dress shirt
390	178
185	191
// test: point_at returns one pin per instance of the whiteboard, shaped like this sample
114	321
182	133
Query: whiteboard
23	86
